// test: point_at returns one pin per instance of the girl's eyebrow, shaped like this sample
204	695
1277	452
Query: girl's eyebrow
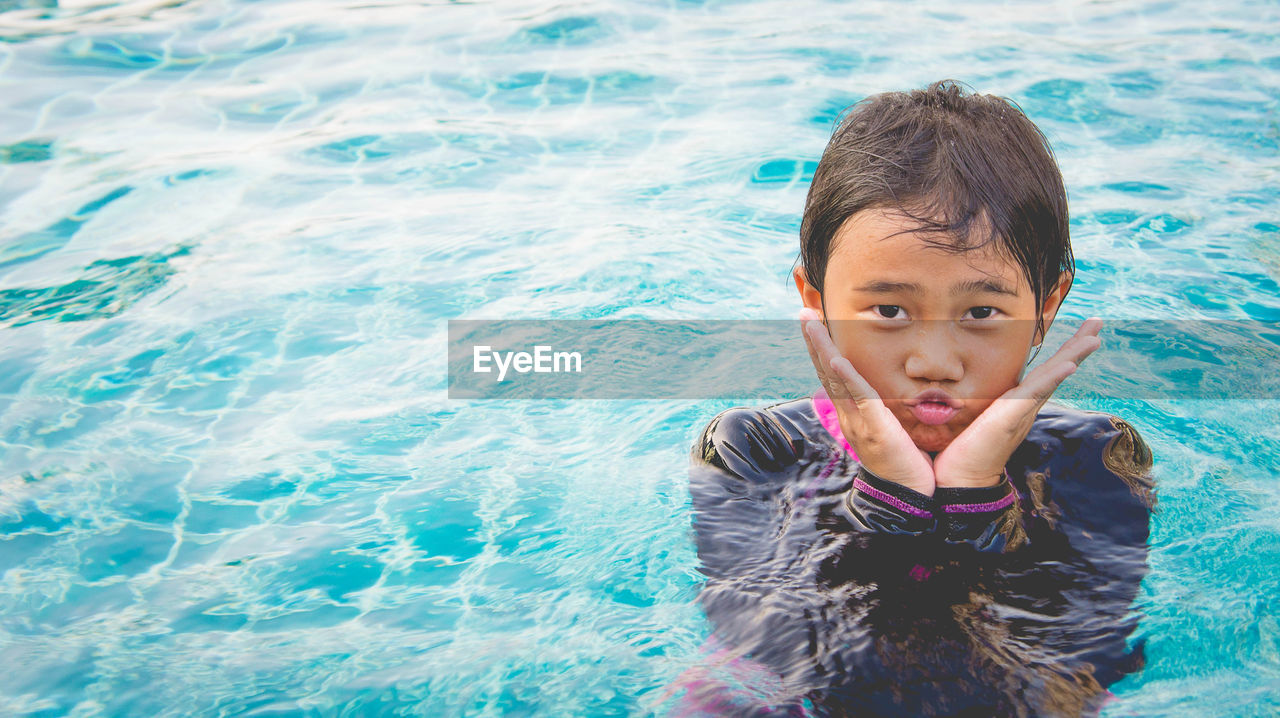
879	286
982	286
971	286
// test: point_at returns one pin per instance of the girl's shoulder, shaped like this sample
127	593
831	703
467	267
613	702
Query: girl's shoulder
1068	421
1091	446
1123	444
755	440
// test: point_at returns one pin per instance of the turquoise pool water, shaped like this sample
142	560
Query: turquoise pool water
231	481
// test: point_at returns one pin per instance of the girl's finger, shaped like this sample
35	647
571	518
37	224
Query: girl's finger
821	352
1045	379
1038	389
806	317
1081	344
849	383
1075	350
879	420
1018	407
830	383
855	386
827	355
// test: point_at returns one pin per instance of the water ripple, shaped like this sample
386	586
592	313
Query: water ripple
231	234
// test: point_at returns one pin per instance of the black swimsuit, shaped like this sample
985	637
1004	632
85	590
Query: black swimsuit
866	598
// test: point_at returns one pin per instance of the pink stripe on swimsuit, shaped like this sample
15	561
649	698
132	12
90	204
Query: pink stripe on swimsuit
831	420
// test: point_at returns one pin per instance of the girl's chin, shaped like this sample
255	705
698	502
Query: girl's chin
932	438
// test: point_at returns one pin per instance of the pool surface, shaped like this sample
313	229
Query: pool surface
232	234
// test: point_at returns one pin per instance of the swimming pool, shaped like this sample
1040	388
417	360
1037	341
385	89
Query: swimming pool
231	481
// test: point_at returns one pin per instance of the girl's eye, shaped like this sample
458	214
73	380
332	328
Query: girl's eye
982	312
888	311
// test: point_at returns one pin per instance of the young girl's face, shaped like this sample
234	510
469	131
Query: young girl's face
928	319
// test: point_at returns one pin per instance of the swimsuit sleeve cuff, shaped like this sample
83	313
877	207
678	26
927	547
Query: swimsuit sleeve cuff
979	500
887	507
983	517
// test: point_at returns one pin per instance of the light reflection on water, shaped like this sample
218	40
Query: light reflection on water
232	234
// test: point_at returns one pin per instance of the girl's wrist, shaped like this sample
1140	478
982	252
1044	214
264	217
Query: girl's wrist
924	489
894	493
971	483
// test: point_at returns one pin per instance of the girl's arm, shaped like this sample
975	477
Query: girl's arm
988	519
762	452
755	451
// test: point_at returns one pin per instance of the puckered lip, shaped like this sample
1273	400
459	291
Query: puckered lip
934	395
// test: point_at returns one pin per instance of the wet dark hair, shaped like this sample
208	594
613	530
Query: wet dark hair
971	169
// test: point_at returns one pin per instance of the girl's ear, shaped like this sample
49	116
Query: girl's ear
811	297
1052	303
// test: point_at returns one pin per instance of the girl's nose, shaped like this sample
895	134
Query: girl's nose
934	355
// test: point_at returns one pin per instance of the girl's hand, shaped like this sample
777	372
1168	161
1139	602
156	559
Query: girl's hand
884	448
977	456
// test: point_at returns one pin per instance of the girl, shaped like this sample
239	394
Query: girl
926	535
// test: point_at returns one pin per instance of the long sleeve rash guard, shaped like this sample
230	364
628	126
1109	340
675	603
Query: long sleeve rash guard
861	597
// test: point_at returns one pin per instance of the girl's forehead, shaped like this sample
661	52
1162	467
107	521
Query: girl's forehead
876	245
